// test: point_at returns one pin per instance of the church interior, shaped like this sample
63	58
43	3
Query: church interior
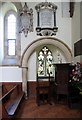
40	59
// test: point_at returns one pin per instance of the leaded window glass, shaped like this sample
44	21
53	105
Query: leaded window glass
45	60
11	34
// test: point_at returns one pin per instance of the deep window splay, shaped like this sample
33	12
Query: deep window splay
11	34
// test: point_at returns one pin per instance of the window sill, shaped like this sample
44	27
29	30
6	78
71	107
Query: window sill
10	62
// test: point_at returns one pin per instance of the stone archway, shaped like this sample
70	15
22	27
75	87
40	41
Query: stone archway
31	48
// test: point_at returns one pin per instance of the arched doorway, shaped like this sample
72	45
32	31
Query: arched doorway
32	47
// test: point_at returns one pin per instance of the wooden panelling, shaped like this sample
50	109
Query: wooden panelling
32	88
78	48
7	86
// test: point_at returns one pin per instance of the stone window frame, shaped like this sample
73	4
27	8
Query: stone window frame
6	56
11	60
45	55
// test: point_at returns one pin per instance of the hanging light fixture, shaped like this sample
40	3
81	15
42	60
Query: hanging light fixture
46	19
26	18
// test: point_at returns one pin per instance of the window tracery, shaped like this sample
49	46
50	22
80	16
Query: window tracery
45	60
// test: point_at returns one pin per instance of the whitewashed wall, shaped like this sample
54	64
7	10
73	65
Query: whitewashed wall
32	63
76	28
10	74
64	34
63	24
32	68
1	38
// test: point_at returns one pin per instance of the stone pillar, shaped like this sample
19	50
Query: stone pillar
24	80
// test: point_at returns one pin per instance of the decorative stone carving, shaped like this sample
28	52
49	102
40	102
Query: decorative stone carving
26	16
46	31
47	5
46	24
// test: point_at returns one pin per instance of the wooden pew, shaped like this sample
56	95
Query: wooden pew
13	107
11	101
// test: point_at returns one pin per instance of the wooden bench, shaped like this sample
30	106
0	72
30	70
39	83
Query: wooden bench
11	108
5	96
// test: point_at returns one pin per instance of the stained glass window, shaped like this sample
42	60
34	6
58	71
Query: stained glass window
45	60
